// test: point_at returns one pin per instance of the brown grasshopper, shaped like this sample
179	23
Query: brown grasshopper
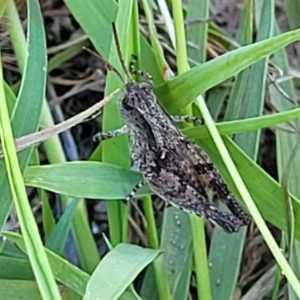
173	166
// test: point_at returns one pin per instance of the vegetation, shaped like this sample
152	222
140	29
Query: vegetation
177	256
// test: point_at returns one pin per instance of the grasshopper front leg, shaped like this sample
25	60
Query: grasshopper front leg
188	119
101	136
135	189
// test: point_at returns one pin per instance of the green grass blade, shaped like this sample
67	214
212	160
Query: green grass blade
160	274
26	114
117	271
254	98
155	43
94	179
197	225
224	257
179	92
64	272
176	242
240	126
103	178
244	37
37	256
292	10
226	251
15	268
116	210
197	33
38	259
3	7
285	148
215	101
28	290
92	15
234	174
57	239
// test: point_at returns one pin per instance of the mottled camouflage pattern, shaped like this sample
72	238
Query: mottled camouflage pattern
174	167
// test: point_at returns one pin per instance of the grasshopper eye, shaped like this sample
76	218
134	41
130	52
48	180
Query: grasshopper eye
146	89
128	102
127	107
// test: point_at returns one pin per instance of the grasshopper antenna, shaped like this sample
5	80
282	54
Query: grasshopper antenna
128	75
108	66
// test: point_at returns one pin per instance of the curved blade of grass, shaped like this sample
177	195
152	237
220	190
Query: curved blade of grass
225	254
224	262
28	290
292	10
37	256
38	259
87	250
116	186
58	237
197	33
15	268
197	225
291	277
244	37
85	180
65	272
10	98
240	126
156	46
251	105
240	185
116	211
95	19
117	271
179	92
286	152
26	114
3	7
176	242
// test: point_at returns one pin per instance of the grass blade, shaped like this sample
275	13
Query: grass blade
181	91
117	271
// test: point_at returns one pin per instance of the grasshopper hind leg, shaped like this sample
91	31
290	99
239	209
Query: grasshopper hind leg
203	208
101	136
214	181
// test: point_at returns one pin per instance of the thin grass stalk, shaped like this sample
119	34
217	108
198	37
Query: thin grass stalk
161	277
291	277
37	256
117	212
87	250
278	275
200	256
